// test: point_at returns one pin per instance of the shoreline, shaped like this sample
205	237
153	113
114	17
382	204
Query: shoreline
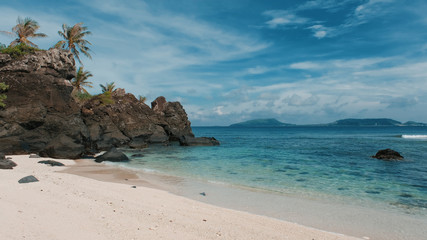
349	218
66	206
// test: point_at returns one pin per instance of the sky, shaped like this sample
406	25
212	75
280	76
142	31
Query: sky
226	61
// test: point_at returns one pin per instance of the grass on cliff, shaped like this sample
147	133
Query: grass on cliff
3	89
18	50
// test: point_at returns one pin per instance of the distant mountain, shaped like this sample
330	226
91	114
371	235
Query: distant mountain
270	122
415	124
373	122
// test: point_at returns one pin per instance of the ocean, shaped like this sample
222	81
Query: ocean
329	164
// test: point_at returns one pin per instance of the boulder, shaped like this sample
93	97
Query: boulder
6	163
113	155
52	163
198	141
388	154
63	147
28	179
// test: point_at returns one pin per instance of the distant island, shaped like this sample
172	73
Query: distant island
271	122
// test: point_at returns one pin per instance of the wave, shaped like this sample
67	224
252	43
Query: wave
415	136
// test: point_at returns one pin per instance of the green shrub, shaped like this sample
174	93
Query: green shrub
18	50
3	89
2	46
106	98
82	96
142	99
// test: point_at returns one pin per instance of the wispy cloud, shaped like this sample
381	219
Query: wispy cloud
361	13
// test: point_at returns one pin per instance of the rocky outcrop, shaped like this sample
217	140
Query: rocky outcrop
126	122
42	117
40	114
177	123
388	154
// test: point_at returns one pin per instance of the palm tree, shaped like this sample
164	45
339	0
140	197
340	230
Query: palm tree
109	87
73	40
24	29
81	80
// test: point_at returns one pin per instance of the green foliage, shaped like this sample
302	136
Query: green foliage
74	40
142	99
106	98
81	80
83	96
109	87
23	30
3	88
19	50
2	46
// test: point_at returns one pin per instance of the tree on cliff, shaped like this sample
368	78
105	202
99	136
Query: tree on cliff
109	87
74	40
81	80
24	29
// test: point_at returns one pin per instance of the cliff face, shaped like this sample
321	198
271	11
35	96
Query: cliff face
41	116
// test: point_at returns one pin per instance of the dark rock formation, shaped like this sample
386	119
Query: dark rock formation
113	155
28	179
52	163
42	117
388	154
199	141
6	163
40	114
177	123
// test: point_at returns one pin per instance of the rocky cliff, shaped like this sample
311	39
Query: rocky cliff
41	116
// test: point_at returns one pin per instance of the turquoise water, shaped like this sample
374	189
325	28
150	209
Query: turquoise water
315	162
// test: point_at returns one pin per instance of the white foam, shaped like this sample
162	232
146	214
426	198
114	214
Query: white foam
415	136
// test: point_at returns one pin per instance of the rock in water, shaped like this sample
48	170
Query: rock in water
28	179
388	154
198	141
52	163
113	155
6	163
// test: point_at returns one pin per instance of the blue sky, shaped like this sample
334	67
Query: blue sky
228	61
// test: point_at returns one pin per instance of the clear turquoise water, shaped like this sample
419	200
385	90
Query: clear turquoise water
318	162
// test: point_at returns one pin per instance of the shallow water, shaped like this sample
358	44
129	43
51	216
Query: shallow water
315	162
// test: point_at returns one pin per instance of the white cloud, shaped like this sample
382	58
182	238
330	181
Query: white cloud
305	65
283	18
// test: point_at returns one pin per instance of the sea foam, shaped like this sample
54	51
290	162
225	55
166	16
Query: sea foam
415	136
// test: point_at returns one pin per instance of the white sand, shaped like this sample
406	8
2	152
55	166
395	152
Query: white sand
66	206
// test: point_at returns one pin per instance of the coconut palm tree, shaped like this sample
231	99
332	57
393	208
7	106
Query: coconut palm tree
24	29
109	87
81	80
74	40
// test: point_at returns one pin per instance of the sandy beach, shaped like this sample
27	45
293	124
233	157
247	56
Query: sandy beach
67	206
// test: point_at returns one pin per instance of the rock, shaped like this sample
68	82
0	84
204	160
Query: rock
177	123
137	155
198	141
63	147
52	163
39	106
34	156
388	154
113	155
28	179
6	163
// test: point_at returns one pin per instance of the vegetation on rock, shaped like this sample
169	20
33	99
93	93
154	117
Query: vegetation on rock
23	30
74	40
81	80
3	89
18	50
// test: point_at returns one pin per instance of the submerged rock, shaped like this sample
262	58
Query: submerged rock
113	155
388	154
198	141
28	179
